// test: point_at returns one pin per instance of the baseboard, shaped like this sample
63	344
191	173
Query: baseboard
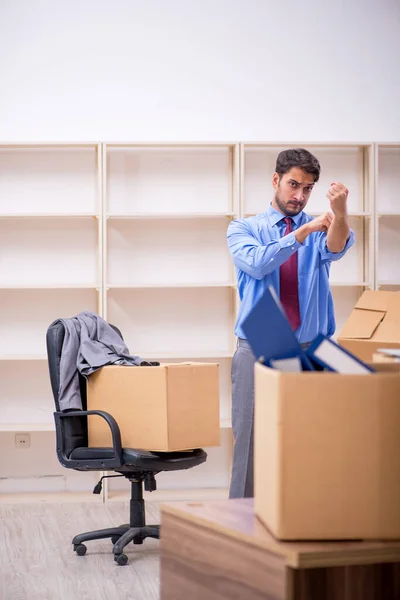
172	495
49	497
114	496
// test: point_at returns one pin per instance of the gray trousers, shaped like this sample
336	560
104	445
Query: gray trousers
242	480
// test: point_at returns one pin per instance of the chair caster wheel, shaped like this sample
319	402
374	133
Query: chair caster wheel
80	549
115	539
121	559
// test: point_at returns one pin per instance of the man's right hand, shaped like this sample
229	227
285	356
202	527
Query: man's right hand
321	223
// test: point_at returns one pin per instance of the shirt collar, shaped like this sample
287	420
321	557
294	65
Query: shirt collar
275	216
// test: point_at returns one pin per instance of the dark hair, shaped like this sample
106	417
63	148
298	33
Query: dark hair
297	157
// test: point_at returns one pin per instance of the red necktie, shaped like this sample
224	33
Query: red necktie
289	284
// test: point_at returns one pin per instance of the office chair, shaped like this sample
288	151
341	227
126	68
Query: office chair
138	466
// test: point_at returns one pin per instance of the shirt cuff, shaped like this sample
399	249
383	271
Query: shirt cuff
289	242
327	254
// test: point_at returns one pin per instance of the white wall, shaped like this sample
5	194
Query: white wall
199	70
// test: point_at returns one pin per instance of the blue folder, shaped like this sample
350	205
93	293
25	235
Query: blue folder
269	334
341	359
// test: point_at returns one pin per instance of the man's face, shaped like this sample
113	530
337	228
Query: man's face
292	191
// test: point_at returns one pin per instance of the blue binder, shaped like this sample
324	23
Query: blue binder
269	334
340	361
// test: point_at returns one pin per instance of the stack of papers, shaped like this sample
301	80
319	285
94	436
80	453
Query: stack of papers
392	352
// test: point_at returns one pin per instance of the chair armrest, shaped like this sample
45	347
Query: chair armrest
116	461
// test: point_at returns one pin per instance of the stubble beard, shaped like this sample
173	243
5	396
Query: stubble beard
290	212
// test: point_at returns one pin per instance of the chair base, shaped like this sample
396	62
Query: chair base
136	531
120	536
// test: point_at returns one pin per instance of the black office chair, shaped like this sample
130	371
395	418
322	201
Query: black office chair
138	466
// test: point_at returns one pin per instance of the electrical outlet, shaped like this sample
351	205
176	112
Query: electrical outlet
22	440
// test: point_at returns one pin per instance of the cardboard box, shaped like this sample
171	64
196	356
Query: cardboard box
374	323
327	454
389	366
167	408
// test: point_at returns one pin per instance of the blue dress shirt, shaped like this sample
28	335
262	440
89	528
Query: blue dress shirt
258	249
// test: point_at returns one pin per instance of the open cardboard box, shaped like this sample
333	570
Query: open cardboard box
374	323
327	453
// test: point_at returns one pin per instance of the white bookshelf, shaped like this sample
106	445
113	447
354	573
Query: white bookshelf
173	322
50	267
168	278
169	179
387	179
168	253
26	403
62	252
24	357
20	427
351	164
388	258
49	179
137	233
26	314
387	216
172	216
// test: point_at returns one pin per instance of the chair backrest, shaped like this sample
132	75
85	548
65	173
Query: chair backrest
75	428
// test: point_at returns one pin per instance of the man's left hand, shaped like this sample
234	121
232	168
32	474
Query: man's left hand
337	196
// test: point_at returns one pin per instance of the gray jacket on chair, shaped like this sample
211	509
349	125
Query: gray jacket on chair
89	344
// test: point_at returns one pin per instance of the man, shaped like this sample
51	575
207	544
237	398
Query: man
291	251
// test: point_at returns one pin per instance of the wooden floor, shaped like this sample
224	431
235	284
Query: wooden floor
37	561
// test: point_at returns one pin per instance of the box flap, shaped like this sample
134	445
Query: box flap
361	324
375	300
393	312
387	332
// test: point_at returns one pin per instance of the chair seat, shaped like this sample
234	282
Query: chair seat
142	459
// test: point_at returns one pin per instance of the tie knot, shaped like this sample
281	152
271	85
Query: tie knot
288	222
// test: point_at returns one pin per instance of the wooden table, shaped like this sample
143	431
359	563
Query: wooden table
219	550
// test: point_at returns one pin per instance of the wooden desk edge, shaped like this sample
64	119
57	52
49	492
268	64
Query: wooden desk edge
293	558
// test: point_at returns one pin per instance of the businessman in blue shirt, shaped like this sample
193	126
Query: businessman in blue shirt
286	248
